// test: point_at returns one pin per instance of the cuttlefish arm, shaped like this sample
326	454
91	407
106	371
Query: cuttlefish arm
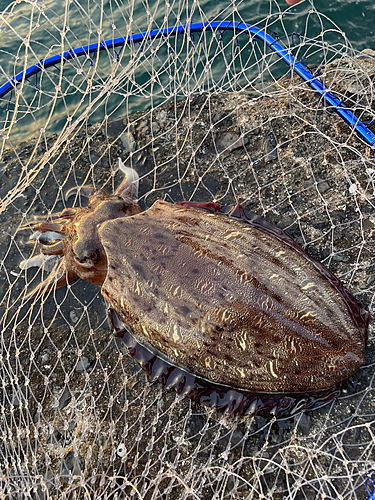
57	278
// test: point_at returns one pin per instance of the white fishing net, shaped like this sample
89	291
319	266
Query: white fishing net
204	116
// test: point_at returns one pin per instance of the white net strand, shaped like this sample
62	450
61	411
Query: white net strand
208	116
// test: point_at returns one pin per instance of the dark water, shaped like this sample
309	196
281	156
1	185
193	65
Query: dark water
355	18
330	28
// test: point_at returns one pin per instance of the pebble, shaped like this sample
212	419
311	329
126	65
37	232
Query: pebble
18	398
94	159
82	364
231	141
340	258
65	399
162	116
304	424
271	148
45	356
309	183
73	316
323	187
128	141
217	117
72	465
121	450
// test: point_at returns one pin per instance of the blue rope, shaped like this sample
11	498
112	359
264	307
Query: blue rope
370	493
359	127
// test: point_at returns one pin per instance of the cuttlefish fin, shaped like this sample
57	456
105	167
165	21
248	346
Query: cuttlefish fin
129	186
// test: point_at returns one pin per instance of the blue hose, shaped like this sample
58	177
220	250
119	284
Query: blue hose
360	128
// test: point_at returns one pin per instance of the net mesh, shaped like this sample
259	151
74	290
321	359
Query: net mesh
203	117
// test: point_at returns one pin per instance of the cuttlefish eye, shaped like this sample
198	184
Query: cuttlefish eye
85	258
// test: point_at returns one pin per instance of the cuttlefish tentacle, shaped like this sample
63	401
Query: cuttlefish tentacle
57	278
60	227
49	238
39	222
54	249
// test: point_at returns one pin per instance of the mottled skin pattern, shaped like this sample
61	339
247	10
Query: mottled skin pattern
228	302
225	297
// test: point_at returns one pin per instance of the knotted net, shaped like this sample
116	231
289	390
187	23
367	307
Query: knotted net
211	115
